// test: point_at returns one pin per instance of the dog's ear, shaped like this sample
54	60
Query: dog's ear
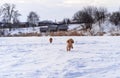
72	41
68	41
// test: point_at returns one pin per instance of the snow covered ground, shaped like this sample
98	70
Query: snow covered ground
34	57
21	30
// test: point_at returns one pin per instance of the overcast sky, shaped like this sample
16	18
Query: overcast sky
58	9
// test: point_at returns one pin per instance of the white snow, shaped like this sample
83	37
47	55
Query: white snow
18	31
35	57
74	27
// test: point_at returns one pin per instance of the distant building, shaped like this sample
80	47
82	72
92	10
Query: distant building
52	28
62	27
23	24
44	29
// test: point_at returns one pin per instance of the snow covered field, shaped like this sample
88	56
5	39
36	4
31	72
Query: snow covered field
34	57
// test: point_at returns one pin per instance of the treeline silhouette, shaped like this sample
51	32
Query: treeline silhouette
88	16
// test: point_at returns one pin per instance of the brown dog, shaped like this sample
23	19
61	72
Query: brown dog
69	44
50	40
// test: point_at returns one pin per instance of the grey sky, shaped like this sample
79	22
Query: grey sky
58	9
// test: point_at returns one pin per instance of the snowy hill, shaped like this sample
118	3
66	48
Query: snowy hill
107	28
34	57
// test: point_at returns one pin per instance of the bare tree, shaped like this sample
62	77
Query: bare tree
115	19
66	21
90	15
90	10
9	14
33	19
1	11
100	15
85	16
15	18
8	10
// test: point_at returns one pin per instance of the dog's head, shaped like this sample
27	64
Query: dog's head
50	39
70	40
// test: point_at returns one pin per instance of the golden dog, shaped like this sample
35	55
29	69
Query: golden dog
69	44
50	40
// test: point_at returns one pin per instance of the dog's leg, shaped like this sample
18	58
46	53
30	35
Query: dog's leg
68	49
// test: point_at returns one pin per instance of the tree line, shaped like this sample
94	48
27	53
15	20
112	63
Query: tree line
91	15
9	16
88	15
